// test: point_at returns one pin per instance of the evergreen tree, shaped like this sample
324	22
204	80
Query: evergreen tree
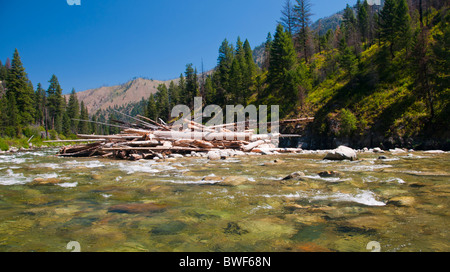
39	105
73	111
83	127
8	64
267	49
249	72
152	110
387	26
192	86
235	84
181	89
66	124
303	20
347	59
349	27
225	61
288	17
210	91
19	86
363	20
403	24
55	104
282	57
162	100
283	75
3	72
174	95
3	114
13	124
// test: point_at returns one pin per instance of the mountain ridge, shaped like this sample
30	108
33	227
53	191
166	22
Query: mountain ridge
119	95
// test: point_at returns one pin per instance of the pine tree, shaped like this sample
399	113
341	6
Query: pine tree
235	84
73	111
181	89
387	27
224	63
303	20
210	91
39	105
349	26
83	127
192	86
66	124
282	57
162	100
347	59
267	49
3	114
403	24
288	17
55	104
152	111
3	72
174	95
363	21
13	124
283	75
19	86
249	72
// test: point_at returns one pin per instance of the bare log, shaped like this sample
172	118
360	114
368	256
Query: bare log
250	146
76	141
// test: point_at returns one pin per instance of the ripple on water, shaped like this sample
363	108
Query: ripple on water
364	197
12	178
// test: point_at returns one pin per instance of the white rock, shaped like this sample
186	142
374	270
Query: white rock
378	150
434	151
214	156
341	153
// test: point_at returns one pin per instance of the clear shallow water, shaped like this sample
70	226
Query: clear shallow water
238	204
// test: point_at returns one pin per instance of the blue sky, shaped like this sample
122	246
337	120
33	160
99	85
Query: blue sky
108	42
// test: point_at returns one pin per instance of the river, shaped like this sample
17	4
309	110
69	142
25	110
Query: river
400	203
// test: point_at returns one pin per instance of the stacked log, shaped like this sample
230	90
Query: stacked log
159	140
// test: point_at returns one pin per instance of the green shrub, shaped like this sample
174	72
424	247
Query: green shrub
3	145
347	122
53	134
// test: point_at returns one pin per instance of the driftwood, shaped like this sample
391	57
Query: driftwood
147	139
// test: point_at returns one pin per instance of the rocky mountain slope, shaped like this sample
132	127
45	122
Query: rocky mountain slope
119	95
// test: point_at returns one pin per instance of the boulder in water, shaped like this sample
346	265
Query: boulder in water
330	174
296	175
213	156
342	153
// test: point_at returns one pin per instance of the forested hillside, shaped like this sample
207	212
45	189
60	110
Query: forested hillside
379	78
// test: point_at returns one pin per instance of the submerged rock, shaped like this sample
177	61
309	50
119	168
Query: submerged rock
341	153
296	175
402	201
274	162
138	208
233	181
42	181
212	178
170	228
330	174
234	228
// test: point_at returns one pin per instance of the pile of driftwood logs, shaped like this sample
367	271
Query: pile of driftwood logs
148	139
